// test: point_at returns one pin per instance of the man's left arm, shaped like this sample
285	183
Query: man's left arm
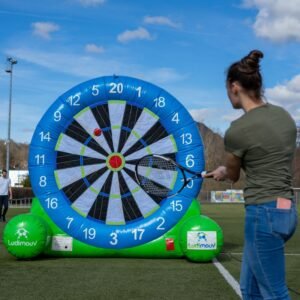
10	190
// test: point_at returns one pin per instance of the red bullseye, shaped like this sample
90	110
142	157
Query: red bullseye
97	131
115	161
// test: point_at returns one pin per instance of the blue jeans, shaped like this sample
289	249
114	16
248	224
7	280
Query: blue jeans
4	204
267	228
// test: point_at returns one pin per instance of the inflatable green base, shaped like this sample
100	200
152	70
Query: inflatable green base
196	237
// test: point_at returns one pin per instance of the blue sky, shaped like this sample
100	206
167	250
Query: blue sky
181	46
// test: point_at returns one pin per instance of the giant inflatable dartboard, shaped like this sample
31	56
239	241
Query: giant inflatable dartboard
84	150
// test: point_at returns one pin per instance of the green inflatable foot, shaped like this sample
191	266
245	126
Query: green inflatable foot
201	239
26	236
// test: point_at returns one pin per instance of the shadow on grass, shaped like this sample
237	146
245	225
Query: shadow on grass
231	246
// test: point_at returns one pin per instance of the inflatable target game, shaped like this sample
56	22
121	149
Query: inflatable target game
88	201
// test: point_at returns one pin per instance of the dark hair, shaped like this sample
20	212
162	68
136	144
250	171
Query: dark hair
247	73
4	170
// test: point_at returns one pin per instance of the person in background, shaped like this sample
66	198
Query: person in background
5	193
262	142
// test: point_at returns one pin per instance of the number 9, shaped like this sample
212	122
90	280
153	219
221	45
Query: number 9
57	116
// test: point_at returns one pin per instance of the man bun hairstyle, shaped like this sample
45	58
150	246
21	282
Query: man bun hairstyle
247	73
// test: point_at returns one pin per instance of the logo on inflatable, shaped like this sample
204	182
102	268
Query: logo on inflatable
202	240
22	232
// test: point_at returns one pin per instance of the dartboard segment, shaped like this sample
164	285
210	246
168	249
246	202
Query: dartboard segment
116	114
144	202
66	160
144	124
65	177
99	208
83	192
131	116
115	214
163	146
69	145
101	114
130	207
89	124
85	201
153	134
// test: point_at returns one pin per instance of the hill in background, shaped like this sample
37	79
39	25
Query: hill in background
18	155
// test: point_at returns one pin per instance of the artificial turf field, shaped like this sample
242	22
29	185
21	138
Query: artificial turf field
119	278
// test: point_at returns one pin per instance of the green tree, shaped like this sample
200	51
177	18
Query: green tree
26	182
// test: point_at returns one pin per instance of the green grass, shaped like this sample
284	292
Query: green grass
119	278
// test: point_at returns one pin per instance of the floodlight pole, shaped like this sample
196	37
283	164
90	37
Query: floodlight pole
11	63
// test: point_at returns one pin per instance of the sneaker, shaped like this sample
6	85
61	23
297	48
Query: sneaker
3	218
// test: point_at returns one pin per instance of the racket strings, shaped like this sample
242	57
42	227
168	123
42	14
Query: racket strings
156	175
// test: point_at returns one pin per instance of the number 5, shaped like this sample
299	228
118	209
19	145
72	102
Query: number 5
95	90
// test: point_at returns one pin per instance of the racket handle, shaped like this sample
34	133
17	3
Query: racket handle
203	173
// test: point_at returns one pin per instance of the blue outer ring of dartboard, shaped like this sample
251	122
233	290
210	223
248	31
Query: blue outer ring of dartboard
42	162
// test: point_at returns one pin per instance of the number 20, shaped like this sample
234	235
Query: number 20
116	88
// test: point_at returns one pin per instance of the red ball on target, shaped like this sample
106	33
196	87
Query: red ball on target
97	131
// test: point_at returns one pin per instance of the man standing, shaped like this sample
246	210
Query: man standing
5	190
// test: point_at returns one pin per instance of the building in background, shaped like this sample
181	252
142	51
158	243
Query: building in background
228	196
17	177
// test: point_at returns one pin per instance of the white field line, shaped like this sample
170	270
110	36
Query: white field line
228	277
240	253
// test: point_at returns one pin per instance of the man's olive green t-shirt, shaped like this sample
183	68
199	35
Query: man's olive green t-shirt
265	140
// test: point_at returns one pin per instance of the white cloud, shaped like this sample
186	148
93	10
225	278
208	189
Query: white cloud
44	29
160	20
137	34
232	115
73	64
89	67
92	48
277	20
163	75
287	95
203	114
91	2
216	118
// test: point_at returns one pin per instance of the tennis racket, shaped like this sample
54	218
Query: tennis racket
161	176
